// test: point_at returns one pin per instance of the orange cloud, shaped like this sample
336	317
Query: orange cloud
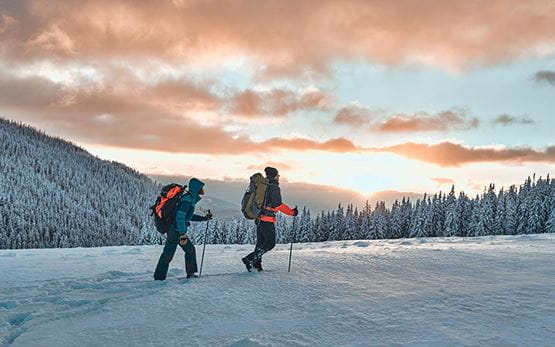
444	121
451	154
283	37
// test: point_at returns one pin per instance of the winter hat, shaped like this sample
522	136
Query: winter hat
271	172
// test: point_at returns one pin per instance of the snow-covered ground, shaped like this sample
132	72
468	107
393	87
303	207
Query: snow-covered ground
483	291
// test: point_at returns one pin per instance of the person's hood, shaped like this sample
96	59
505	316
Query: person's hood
195	185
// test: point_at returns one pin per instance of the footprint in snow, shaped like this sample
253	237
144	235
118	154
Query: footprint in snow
8	305
17	319
246	342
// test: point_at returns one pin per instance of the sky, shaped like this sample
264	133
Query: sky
362	95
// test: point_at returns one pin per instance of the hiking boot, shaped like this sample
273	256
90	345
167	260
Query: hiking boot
192	276
258	266
248	264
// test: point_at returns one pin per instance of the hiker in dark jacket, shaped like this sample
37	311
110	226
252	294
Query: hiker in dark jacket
266	221
177	234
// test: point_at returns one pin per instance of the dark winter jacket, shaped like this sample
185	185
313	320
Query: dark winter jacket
186	207
273	203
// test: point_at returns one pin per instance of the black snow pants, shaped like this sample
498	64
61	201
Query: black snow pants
265	241
172	242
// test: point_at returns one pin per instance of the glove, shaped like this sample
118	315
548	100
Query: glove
295	212
208	215
183	238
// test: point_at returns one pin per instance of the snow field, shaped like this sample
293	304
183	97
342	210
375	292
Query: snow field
444	291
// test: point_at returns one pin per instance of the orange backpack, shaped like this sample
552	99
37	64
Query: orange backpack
164	208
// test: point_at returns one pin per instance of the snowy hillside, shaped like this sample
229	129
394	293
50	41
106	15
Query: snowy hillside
496	290
55	194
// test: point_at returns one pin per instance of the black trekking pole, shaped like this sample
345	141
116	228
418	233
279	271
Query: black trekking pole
204	246
291	251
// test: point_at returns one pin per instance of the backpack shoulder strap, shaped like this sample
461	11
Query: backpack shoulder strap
186	197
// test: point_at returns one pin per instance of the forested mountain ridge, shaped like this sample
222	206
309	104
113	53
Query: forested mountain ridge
56	194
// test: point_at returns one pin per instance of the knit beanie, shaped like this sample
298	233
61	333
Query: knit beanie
271	172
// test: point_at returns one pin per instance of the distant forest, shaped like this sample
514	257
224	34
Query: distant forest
527	209
55	194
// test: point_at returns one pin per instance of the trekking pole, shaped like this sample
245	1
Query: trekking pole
203	247
291	252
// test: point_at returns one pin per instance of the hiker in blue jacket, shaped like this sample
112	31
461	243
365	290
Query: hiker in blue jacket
178	232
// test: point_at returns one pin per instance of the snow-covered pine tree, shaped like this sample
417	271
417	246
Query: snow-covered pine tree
550	227
488	206
317	228
248	229
511	208
451	224
320	227
397	220
305	230
338	225
235	234
406	208
501	213
329	225
380	216
534	206
365	224
418	219
358	225
350	223
428	218
476	227
523	206
286	228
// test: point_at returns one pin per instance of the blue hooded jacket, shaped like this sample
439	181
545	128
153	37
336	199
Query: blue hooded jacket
186	207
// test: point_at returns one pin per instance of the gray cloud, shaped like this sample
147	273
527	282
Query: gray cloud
545	76
354	115
506	120
277	102
358	116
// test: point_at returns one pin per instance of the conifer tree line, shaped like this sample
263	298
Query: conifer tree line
55	194
527	209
